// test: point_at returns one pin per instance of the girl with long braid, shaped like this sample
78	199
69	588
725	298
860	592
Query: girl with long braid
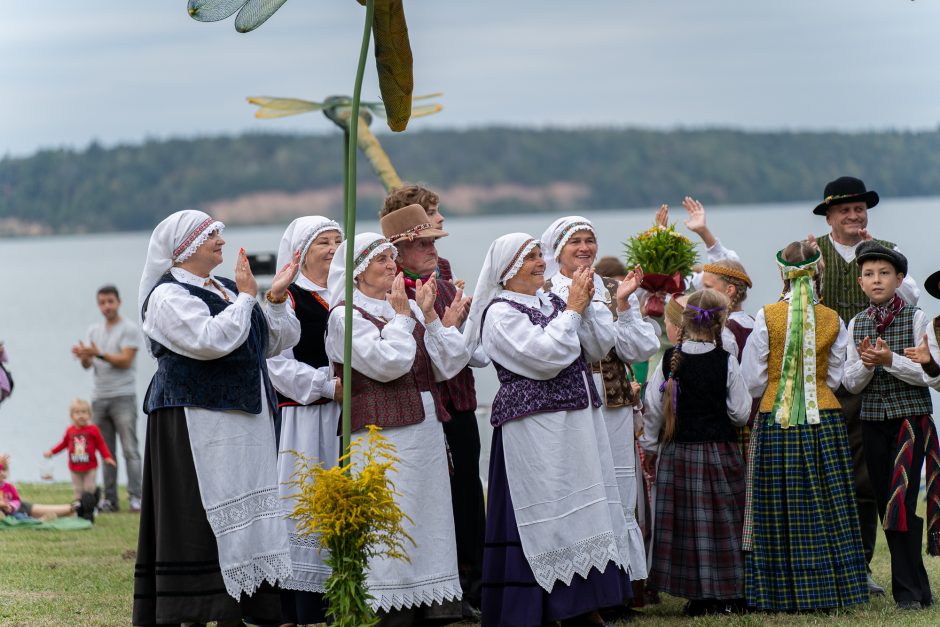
694	401
801	533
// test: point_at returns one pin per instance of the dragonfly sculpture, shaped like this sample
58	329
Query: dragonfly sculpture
392	48
338	109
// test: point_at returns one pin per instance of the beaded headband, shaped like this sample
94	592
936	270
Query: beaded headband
728	272
411	233
569	230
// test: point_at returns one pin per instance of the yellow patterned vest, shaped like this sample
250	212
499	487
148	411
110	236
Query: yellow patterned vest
827	330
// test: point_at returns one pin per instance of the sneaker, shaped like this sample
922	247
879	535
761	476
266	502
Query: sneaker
106	507
134	505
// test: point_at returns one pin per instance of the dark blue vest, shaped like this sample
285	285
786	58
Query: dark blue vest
226	383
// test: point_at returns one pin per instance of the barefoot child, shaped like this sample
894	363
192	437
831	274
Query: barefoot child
694	401
897	429
83	441
801	533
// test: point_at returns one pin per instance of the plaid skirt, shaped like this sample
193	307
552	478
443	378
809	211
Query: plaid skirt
699	503
806	551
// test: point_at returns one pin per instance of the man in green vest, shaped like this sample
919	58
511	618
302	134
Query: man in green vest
846	203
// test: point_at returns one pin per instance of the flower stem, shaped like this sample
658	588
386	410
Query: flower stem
350	194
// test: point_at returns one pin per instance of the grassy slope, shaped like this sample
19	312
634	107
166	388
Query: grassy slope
86	578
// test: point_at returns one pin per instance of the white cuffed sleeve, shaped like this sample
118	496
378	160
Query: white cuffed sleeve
382	355
512	341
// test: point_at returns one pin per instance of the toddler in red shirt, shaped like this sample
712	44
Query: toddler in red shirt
83	441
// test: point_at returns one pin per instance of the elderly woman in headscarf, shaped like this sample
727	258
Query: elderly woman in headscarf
211	540
614	335
306	389
400	349
555	543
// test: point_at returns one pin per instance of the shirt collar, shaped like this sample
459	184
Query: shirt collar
697	347
304	283
374	306
185	276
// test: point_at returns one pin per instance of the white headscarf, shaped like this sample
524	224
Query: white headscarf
365	249
300	234
502	262
173	241
555	238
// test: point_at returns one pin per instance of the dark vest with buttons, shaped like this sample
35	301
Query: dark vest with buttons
520	396
229	383
702	410
311	349
394	403
840	288
887	397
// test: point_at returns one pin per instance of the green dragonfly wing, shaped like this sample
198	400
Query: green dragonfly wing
213	10
255	13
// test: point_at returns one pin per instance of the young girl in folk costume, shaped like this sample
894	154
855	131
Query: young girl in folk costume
694	401
400	349
804	549
618	335
306	389
554	546
729	277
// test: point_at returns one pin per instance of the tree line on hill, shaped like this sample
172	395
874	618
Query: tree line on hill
131	187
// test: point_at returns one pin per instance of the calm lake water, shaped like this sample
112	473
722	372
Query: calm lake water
49	285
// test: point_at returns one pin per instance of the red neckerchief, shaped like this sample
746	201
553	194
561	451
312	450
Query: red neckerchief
411	279
883	315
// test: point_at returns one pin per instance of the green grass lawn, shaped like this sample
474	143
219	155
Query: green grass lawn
86	578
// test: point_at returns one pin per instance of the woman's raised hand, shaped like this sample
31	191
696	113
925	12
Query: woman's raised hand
581	290
662	216
425	295
628	286
285	277
398	297
244	279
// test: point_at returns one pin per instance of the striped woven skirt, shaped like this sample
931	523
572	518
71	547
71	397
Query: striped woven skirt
699	504
806	547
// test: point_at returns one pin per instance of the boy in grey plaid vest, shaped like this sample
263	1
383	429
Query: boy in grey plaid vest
895	414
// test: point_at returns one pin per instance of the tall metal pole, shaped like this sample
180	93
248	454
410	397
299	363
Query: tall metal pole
350	227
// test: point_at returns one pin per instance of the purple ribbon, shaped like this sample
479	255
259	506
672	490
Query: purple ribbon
675	390
705	315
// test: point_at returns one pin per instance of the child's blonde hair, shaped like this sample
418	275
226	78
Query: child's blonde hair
731	272
79	403
704	317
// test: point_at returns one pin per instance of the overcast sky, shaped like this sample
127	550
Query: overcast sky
73	71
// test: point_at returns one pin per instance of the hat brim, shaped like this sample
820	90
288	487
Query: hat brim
423	234
870	197
894	261
932	285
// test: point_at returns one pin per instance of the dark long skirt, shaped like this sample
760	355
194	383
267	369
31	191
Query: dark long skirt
511	595
177	578
807	549
699	515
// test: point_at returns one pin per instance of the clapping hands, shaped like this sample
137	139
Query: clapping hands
244	279
628	286
920	354
456	313
398	297
581	290
877	354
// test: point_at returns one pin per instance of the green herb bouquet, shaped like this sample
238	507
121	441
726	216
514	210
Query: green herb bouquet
667	258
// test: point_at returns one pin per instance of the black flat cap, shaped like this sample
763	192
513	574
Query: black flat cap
871	249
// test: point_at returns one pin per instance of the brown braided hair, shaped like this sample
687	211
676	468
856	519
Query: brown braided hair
740	287
801	251
700	328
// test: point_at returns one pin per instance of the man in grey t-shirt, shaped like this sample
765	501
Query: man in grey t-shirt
111	350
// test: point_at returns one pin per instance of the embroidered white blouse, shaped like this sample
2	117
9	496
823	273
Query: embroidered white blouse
181	322
389	354
296	380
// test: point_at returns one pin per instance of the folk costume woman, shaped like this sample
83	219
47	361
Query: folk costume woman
305	385
554	544
400	350
801	533
694	400
614	335
211	535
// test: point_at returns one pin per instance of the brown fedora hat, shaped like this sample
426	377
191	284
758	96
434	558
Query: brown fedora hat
409	223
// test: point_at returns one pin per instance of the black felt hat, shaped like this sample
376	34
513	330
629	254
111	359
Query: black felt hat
845	189
932	285
871	249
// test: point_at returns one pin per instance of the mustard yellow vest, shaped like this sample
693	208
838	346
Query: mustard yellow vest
827	330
